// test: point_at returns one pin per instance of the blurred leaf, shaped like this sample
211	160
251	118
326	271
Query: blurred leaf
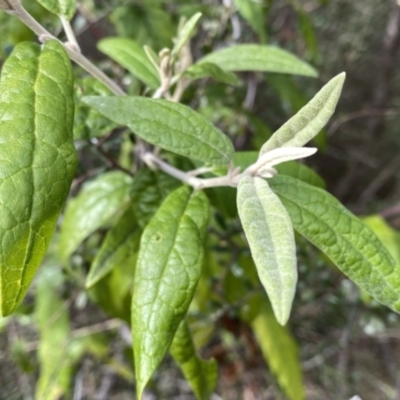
210	70
253	57
345	239
167	272
308	33
308	122
63	8
131	56
254	13
202	375
37	160
171	126
96	204
269	232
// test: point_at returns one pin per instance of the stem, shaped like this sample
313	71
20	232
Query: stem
70	33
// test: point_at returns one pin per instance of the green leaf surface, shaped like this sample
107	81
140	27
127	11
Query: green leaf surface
168	269
184	35
344	238
169	125
149	189
309	121
254	57
63	8
131	56
270	234
201	374
280	351
210	70
253	12
120	244
37	160
98	202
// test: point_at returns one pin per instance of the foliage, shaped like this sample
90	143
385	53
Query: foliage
142	238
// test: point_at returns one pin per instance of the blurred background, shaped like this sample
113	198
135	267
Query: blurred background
348	344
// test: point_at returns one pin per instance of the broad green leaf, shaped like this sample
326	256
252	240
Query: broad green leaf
98	202
184	35
167	271
169	125
279	350
54	328
386	234
37	160
63	8
253	12
201	374
148	191
270	234
120	244
254	57
131	56
344	238
309	121
205	70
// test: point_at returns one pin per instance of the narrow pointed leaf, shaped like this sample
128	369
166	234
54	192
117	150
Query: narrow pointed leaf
63	8
37	160
121	242
185	34
201	374
167	272
131	56
169	125
253	12
344	238
309	121
279	350
254	57
149	189
270	234
98	202
210	70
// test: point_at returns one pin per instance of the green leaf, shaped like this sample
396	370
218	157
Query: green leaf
131	56
167	272
344	238
63	8
120	244
253	12
309	121
254	57
98	202
270	234
301	172
37	160
184	35
201	374
169	125
205	70
149	189
279	350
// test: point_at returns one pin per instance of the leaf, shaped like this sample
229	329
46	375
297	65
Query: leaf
253	12
201	374
279	350
254	57
98	202
309	121
169	125
37	160
167	272
205	70
63	8
149	189
184	35
344	238
120	244
270	235
131	56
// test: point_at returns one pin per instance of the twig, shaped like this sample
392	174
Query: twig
70	33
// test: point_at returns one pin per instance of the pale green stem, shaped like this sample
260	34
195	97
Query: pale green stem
70	33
